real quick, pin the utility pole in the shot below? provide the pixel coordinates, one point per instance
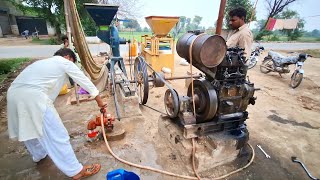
(220, 16)
(67, 14)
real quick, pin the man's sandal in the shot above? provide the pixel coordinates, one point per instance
(87, 171)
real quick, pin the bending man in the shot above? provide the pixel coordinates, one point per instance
(33, 119)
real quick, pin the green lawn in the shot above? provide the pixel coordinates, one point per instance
(284, 38)
(135, 35)
(44, 41)
(9, 65)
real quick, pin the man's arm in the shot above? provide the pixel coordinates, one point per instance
(245, 42)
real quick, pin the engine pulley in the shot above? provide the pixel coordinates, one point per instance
(205, 98)
(171, 103)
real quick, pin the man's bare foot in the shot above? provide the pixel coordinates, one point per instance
(87, 171)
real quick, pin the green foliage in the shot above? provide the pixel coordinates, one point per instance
(246, 4)
(261, 34)
(50, 41)
(133, 35)
(193, 24)
(9, 65)
(274, 37)
(53, 12)
(196, 22)
(180, 26)
(145, 29)
(292, 34)
(315, 33)
(132, 23)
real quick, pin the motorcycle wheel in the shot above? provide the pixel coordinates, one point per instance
(266, 63)
(252, 63)
(296, 79)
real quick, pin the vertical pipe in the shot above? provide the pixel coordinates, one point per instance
(66, 6)
(220, 16)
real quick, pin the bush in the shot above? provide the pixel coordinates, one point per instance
(273, 38)
(9, 65)
(53, 41)
(261, 34)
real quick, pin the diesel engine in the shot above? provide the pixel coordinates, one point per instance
(218, 101)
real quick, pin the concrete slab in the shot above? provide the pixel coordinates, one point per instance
(211, 151)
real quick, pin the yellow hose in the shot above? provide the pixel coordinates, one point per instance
(166, 172)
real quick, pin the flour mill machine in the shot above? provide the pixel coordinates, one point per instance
(158, 50)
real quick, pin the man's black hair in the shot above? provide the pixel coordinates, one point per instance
(239, 12)
(65, 52)
(64, 37)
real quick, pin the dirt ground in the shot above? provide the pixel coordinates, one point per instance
(283, 121)
(19, 41)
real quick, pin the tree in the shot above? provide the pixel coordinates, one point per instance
(315, 33)
(51, 10)
(196, 22)
(188, 24)
(146, 29)
(127, 8)
(180, 26)
(246, 4)
(292, 34)
(132, 23)
(275, 7)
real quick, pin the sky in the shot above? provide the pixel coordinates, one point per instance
(208, 10)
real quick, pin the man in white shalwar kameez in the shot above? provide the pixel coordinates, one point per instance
(33, 119)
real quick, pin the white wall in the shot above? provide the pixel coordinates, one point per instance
(14, 29)
(51, 30)
(1, 35)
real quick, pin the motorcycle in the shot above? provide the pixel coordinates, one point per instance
(276, 62)
(253, 59)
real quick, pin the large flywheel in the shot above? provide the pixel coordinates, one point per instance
(206, 100)
(141, 79)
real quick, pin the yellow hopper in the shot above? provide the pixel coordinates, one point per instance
(161, 25)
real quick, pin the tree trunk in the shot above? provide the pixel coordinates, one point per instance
(58, 30)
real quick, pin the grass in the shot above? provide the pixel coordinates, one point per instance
(285, 39)
(135, 35)
(50, 41)
(313, 52)
(9, 65)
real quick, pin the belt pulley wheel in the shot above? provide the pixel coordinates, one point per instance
(157, 82)
(206, 100)
(171, 102)
(141, 79)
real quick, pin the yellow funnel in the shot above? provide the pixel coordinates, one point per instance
(161, 25)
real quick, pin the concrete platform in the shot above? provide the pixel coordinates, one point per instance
(211, 151)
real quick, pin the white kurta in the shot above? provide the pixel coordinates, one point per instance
(35, 90)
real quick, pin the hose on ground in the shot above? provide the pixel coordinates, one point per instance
(166, 172)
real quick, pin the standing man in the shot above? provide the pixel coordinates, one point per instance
(241, 35)
(33, 119)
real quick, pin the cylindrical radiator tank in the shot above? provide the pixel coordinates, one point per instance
(207, 50)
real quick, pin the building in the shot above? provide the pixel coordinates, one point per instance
(14, 22)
